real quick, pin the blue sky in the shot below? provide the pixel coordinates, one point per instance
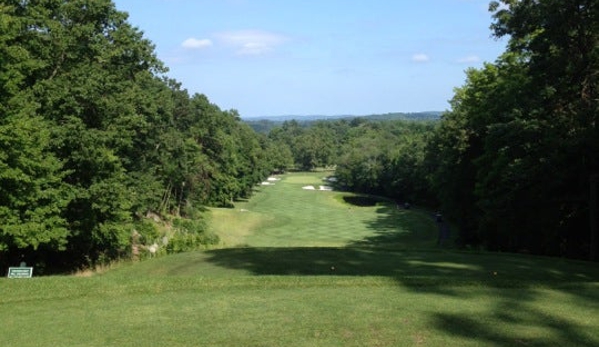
(319, 57)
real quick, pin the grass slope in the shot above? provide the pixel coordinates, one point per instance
(305, 268)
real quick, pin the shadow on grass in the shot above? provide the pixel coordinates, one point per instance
(400, 228)
(436, 269)
(511, 309)
(361, 200)
(563, 332)
(512, 281)
(403, 248)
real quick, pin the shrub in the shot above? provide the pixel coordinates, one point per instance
(190, 234)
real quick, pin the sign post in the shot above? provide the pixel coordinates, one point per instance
(20, 272)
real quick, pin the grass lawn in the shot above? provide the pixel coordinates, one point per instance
(312, 268)
(285, 215)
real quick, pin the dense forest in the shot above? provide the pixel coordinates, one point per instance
(94, 137)
(264, 125)
(517, 158)
(97, 143)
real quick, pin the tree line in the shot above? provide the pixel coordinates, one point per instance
(517, 157)
(515, 162)
(94, 137)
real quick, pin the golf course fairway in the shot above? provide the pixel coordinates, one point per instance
(312, 267)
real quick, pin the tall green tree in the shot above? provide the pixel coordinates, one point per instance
(515, 155)
(93, 136)
(387, 158)
(76, 65)
(560, 42)
(32, 194)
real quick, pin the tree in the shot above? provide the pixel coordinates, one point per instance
(560, 42)
(407, 178)
(71, 73)
(386, 158)
(32, 195)
(507, 167)
(93, 137)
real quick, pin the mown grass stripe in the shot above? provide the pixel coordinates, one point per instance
(304, 268)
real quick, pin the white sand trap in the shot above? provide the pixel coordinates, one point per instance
(309, 188)
(325, 188)
(267, 183)
(273, 179)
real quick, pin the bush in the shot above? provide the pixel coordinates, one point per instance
(196, 226)
(148, 231)
(189, 235)
(183, 242)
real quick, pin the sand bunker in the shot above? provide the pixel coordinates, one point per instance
(273, 179)
(319, 188)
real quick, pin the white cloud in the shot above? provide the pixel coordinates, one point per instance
(193, 43)
(469, 59)
(420, 58)
(251, 42)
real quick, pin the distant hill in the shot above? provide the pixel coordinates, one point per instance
(416, 116)
(264, 124)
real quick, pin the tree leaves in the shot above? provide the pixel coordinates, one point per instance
(92, 136)
(32, 194)
(517, 128)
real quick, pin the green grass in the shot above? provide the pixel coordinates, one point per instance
(285, 215)
(366, 276)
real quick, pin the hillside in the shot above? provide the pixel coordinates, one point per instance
(265, 124)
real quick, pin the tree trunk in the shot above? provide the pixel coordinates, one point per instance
(593, 208)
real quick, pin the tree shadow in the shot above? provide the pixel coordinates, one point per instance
(512, 309)
(512, 282)
(400, 228)
(434, 268)
(403, 247)
(361, 200)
